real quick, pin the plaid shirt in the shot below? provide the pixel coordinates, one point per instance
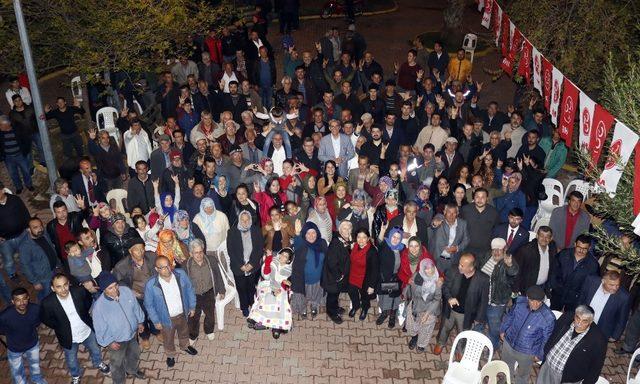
(559, 354)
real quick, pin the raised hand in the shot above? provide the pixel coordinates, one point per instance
(191, 182)
(298, 226)
(420, 73)
(93, 133)
(156, 184)
(79, 201)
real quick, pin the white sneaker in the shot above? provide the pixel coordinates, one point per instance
(211, 336)
(192, 342)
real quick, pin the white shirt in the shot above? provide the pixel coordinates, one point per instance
(598, 302)
(227, 79)
(23, 92)
(543, 271)
(336, 145)
(411, 230)
(171, 295)
(79, 330)
(511, 232)
(278, 156)
(138, 147)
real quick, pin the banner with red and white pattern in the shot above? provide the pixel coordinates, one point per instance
(602, 121)
(547, 73)
(587, 107)
(524, 66)
(622, 145)
(486, 16)
(537, 69)
(556, 88)
(568, 107)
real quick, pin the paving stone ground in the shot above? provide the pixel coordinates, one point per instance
(316, 351)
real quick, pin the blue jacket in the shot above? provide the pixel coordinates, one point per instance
(116, 320)
(614, 314)
(156, 305)
(34, 262)
(527, 331)
(509, 201)
(568, 277)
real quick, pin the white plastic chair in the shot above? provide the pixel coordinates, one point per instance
(578, 185)
(602, 380)
(76, 88)
(469, 44)
(557, 314)
(532, 235)
(119, 196)
(229, 285)
(466, 370)
(555, 198)
(492, 369)
(109, 116)
(136, 105)
(635, 379)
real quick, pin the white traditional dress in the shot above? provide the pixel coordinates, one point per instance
(272, 309)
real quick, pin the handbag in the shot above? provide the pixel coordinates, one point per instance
(389, 288)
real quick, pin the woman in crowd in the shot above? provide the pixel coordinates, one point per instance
(463, 176)
(389, 284)
(221, 189)
(460, 195)
(425, 300)
(258, 173)
(172, 248)
(336, 269)
(487, 168)
(101, 217)
(441, 194)
(212, 223)
(310, 251)
(319, 215)
(277, 232)
(244, 247)
(337, 200)
(185, 230)
(271, 308)
(363, 274)
(384, 214)
(63, 193)
(242, 202)
(513, 197)
(329, 178)
(410, 257)
(166, 203)
(148, 234)
(378, 192)
(272, 196)
(425, 209)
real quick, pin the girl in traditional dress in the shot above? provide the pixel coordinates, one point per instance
(271, 308)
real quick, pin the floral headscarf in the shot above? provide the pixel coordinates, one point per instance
(183, 234)
(386, 180)
(171, 251)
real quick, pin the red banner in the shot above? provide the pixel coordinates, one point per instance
(516, 42)
(547, 73)
(507, 65)
(636, 182)
(486, 16)
(568, 108)
(602, 121)
(504, 39)
(497, 21)
(524, 66)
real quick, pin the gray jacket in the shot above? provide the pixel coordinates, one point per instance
(326, 152)
(439, 239)
(558, 223)
(432, 305)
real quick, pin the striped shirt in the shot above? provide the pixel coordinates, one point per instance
(10, 142)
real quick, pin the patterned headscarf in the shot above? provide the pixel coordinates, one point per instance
(240, 227)
(428, 282)
(169, 246)
(387, 239)
(386, 180)
(183, 234)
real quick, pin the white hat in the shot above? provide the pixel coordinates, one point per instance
(452, 139)
(498, 243)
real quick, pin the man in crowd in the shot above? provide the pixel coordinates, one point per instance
(65, 226)
(140, 189)
(480, 218)
(117, 320)
(575, 351)
(572, 267)
(19, 322)
(12, 233)
(524, 332)
(15, 151)
(109, 164)
(170, 301)
(449, 237)
(66, 311)
(86, 184)
(137, 146)
(569, 221)
(38, 259)
(337, 147)
(65, 117)
(610, 303)
(514, 234)
(117, 239)
(536, 259)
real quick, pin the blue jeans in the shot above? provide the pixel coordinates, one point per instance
(494, 320)
(71, 355)
(8, 249)
(285, 139)
(46, 289)
(17, 365)
(5, 291)
(266, 95)
(35, 139)
(19, 164)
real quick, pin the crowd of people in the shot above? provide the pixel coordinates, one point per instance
(292, 185)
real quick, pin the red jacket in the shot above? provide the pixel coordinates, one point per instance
(405, 272)
(214, 46)
(265, 202)
(331, 206)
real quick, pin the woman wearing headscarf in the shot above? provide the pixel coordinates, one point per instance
(358, 212)
(270, 197)
(410, 257)
(336, 270)
(425, 300)
(310, 251)
(166, 203)
(389, 285)
(384, 214)
(363, 274)
(377, 192)
(278, 233)
(513, 197)
(425, 209)
(319, 215)
(185, 230)
(337, 200)
(271, 308)
(244, 247)
(101, 217)
(172, 248)
(242, 202)
(258, 173)
(212, 223)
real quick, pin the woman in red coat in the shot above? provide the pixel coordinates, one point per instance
(410, 258)
(270, 197)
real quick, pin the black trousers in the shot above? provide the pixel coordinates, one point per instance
(633, 332)
(359, 297)
(332, 303)
(246, 286)
(206, 303)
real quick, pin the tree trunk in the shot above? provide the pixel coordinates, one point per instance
(452, 33)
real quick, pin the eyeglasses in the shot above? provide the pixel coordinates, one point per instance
(162, 267)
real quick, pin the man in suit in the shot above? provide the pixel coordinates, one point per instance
(610, 303)
(393, 135)
(66, 311)
(358, 176)
(337, 147)
(572, 266)
(86, 183)
(411, 224)
(465, 294)
(492, 118)
(234, 102)
(448, 237)
(535, 258)
(569, 221)
(514, 234)
(575, 351)
(451, 158)
(160, 158)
